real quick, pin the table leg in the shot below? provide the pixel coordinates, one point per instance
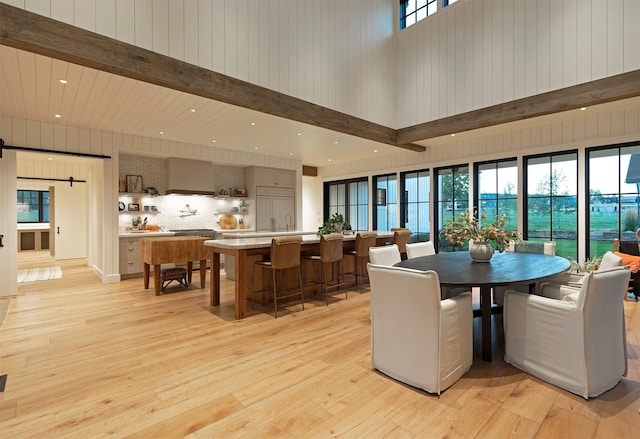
(146, 275)
(203, 272)
(157, 278)
(214, 286)
(189, 271)
(485, 306)
(241, 284)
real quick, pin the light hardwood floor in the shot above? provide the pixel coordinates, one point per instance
(84, 360)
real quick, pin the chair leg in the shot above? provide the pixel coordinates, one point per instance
(344, 281)
(323, 282)
(275, 295)
(300, 281)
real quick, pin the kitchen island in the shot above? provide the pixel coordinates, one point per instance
(157, 251)
(248, 250)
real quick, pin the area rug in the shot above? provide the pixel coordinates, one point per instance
(36, 274)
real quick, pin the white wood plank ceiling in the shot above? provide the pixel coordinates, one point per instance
(30, 89)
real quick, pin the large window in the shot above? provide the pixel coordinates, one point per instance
(497, 191)
(33, 206)
(415, 204)
(412, 11)
(614, 196)
(452, 198)
(350, 198)
(551, 206)
(385, 202)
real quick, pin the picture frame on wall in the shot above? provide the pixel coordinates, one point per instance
(134, 183)
(133, 207)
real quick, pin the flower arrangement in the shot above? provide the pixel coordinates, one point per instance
(467, 226)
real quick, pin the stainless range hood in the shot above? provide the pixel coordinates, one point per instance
(190, 177)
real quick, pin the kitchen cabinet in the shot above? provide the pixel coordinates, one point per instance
(272, 177)
(275, 209)
(130, 263)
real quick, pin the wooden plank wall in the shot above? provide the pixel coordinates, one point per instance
(478, 53)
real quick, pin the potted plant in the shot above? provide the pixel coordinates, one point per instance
(334, 224)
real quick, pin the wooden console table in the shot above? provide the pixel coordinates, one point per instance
(157, 251)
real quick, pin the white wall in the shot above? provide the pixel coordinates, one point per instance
(335, 53)
(477, 53)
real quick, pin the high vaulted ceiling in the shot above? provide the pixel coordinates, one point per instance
(116, 87)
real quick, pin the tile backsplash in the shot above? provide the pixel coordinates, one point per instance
(171, 210)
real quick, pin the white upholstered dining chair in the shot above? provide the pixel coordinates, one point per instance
(384, 255)
(577, 343)
(417, 249)
(416, 337)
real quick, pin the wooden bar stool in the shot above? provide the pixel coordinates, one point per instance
(285, 254)
(364, 240)
(401, 237)
(331, 254)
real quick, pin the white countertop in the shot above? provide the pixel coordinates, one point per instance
(261, 242)
(145, 234)
(254, 234)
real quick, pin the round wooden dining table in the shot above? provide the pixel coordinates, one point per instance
(456, 269)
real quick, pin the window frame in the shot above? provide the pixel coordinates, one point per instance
(435, 188)
(525, 196)
(348, 206)
(476, 186)
(42, 218)
(391, 217)
(587, 188)
(404, 204)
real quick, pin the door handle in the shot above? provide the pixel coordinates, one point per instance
(58, 230)
(1, 244)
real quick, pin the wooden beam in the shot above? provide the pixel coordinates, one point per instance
(309, 171)
(613, 88)
(38, 34)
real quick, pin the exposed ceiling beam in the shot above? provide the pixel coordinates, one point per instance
(601, 91)
(38, 34)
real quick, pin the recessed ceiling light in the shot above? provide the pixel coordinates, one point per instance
(213, 141)
(50, 158)
(336, 142)
(161, 132)
(255, 147)
(290, 153)
(375, 150)
(299, 134)
(253, 123)
(57, 116)
(453, 135)
(63, 81)
(329, 160)
(583, 108)
(193, 110)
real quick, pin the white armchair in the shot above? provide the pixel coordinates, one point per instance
(416, 338)
(384, 255)
(578, 343)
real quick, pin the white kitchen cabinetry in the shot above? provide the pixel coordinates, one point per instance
(273, 177)
(130, 263)
(275, 209)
